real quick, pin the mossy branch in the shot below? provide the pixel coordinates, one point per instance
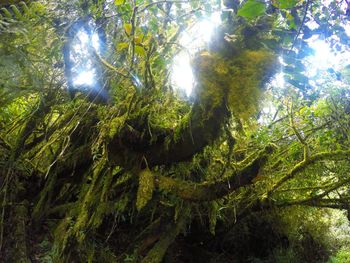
(156, 254)
(220, 86)
(301, 139)
(210, 191)
(335, 155)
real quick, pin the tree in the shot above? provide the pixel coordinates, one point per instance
(121, 179)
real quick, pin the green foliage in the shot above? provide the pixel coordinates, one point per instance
(285, 4)
(340, 257)
(76, 164)
(252, 9)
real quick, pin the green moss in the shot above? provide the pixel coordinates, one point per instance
(184, 124)
(145, 190)
(238, 81)
(44, 198)
(115, 125)
(211, 86)
(250, 70)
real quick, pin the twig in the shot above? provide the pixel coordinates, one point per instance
(301, 25)
(132, 35)
(335, 155)
(299, 136)
(110, 67)
(160, 2)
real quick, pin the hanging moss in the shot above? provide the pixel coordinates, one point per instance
(237, 81)
(19, 252)
(250, 71)
(44, 198)
(146, 187)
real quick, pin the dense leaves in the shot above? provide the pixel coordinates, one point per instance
(256, 157)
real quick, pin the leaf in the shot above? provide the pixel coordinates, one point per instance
(122, 45)
(38, 8)
(6, 12)
(140, 51)
(118, 2)
(252, 9)
(291, 20)
(16, 12)
(345, 74)
(138, 39)
(286, 4)
(128, 28)
(145, 190)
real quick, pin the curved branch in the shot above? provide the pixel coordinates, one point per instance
(156, 254)
(210, 191)
(319, 199)
(195, 131)
(218, 83)
(336, 155)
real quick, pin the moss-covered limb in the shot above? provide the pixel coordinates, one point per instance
(195, 131)
(33, 121)
(223, 85)
(67, 171)
(335, 203)
(5, 145)
(45, 196)
(50, 131)
(210, 191)
(319, 200)
(335, 155)
(156, 254)
(19, 252)
(146, 238)
(192, 134)
(190, 137)
(61, 209)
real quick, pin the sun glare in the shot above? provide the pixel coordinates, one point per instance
(278, 81)
(95, 41)
(182, 76)
(86, 78)
(84, 74)
(193, 39)
(322, 59)
(325, 58)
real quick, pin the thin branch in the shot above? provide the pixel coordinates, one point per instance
(110, 67)
(299, 136)
(319, 197)
(160, 2)
(132, 35)
(301, 25)
(335, 155)
(317, 187)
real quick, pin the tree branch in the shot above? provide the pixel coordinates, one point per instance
(160, 2)
(195, 131)
(336, 155)
(198, 192)
(156, 254)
